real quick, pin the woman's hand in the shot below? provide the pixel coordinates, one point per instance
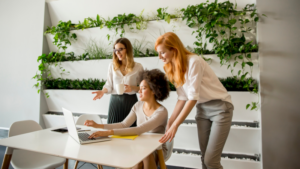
(170, 122)
(99, 94)
(101, 134)
(127, 88)
(90, 123)
(169, 135)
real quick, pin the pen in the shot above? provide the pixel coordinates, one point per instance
(83, 130)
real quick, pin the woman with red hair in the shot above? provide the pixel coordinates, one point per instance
(196, 85)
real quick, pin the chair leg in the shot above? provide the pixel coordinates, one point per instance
(76, 164)
(66, 164)
(99, 166)
(6, 161)
(161, 159)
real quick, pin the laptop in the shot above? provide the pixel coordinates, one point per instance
(80, 137)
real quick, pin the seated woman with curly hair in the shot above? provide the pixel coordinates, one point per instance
(148, 113)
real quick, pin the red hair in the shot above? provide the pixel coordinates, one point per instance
(176, 69)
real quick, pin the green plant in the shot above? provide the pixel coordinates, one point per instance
(172, 87)
(138, 47)
(238, 84)
(62, 36)
(151, 52)
(96, 50)
(162, 14)
(217, 22)
(86, 84)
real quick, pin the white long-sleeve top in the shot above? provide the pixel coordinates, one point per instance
(201, 83)
(156, 123)
(132, 78)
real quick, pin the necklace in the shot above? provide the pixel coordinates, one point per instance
(123, 69)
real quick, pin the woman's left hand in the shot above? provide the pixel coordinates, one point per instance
(169, 135)
(101, 134)
(128, 88)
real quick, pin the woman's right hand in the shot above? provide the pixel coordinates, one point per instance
(169, 125)
(99, 94)
(90, 123)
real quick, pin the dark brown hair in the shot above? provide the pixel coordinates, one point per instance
(158, 83)
(129, 55)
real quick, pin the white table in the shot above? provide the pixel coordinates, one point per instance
(118, 153)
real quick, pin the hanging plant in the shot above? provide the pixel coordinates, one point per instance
(62, 36)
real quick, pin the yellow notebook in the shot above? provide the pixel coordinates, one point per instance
(124, 137)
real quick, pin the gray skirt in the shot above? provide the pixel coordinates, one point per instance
(119, 107)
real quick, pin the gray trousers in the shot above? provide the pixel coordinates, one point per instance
(213, 122)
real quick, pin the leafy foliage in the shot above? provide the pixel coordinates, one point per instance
(97, 51)
(219, 24)
(230, 83)
(216, 22)
(235, 84)
(62, 35)
(84, 84)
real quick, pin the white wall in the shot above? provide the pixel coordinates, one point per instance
(278, 37)
(21, 33)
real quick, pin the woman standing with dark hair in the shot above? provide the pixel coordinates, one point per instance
(122, 70)
(196, 84)
(151, 116)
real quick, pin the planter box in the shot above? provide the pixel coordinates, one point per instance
(59, 120)
(55, 120)
(241, 140)
(239, 100)
(183, 160)
(81, 101)
(98, 68)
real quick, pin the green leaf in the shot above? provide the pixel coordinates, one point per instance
(243, 65)
(167, 18)
(249, 63)
(241, 48)
(232, 21)
(249, 55)
(240, 56)
(222, 32)
(228, 66)
(256, 19)
(248, 105)
(239, 72)
(264, 15)
(233, 28)
(236, 62)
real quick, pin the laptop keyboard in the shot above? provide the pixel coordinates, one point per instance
(85, 137)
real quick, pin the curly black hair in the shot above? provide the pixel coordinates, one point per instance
(158, 83)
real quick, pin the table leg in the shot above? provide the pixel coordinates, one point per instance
(66, 164)
(99, 166)
(6, 161)
(161, 159)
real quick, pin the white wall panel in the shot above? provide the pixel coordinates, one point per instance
(21, 43)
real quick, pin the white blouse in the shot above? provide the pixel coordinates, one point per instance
(132, 78)
(201, 83)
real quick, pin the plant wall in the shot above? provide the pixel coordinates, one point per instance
(217, 24)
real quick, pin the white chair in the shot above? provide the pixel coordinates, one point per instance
(81, 121)
(161, 158)
(22, 159)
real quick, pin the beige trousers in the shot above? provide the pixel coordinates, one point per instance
(213, 122)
